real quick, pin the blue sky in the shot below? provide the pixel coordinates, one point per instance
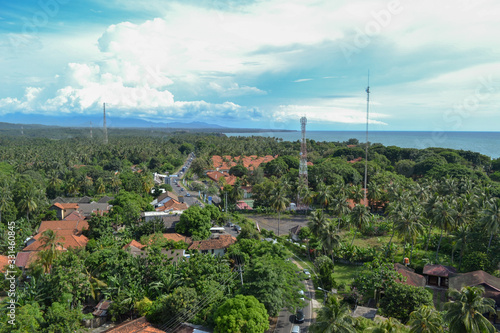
(434, 66)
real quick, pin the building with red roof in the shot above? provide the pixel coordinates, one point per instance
(4, 261)
(412, 278)
(64, 209)
(252, 162)
(67, 238)
(216, 246)
(438, 275)
(139, 325)
(173, 236)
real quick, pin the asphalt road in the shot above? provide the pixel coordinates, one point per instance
(286, 319)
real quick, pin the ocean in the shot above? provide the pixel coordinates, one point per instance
(486, 143)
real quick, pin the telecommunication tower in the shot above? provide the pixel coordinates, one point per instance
(104, 125)
(91, 130)
(366, 145)
(303, 153)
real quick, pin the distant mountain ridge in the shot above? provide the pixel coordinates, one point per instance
(85, 121)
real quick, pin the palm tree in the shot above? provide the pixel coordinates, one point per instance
(50, 247)
(426, 319)
(409, 226)
(333, 318)
(330, 239)
(444, 218)
(375, 193)
(464, 313)
(390, 325)
(491, 218)
(324, 195)
(28, 201)
(279, 201)
(317, 222)
(360, 217)
(5, 197)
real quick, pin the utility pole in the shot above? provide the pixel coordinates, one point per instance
(366, 144)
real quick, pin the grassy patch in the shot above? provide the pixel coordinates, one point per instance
(344, 274)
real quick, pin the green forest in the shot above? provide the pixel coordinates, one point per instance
(432, 206)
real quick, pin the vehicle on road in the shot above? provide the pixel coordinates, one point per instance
(307, 273)
(295, 329)
(299, 316)
(237, 228)
(188, 195)
(301, 293)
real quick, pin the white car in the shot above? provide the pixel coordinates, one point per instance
(295, 329)
(301, 292)
(307, 273)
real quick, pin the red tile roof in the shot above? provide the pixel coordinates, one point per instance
(72, 225)
(412, 278)
(439, 270)
(139, 325)
(74, 216)
(243, 205)
(67, 238)
(222, 242)
(250, 162)
(25, 259)
(172, 204)
(173, 236)
(4, 261)
(359, 159)
(134, 243)
(65, 205)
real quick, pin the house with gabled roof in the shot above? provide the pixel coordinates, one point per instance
(412, 278)
(135, 248)
(64, 209)
(165, 197)
(25, 259)
(175, 237)
(490, 283)
(216, 246)
(67, 238)
(173, 206)
(438, 275)
(76, 226)
(139, 325)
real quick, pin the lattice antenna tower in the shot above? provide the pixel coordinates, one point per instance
(104, 125)
(303, 153)
(91, 130)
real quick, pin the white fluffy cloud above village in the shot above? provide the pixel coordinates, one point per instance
(269, 60)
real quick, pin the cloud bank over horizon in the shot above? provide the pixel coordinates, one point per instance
(261, 63)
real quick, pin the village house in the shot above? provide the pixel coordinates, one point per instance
(215, 246)
(438, 275)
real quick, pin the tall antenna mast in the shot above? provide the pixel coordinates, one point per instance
(303, 154)
(91, 130)
(366, 144)
(104, 125)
